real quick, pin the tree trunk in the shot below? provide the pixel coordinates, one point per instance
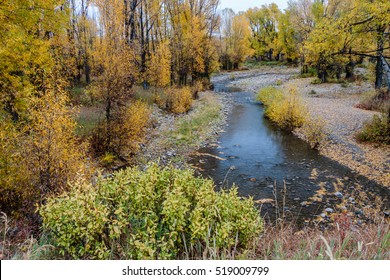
(379, 63)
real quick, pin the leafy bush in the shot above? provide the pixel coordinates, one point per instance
(285, 111)
(159, 213)
(377, 130)
(179, 100)
(313, 130)
(123, 134)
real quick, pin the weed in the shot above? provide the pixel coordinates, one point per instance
(313, 130)
(375, 101)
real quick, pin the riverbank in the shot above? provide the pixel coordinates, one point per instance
(335, 104)
(172, 138)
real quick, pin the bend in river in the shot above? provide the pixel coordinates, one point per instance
(262, 161)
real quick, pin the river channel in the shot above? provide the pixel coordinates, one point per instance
(280, 171)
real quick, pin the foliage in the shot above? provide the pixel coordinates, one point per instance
(54, 156)
(159, 213)
(377, 130)
(159, 67)
(179, 100)
(13, 170)
(176, 100)
(25, 51)
(235, 46)
(313, 130)
(285, 110)
(122, 135)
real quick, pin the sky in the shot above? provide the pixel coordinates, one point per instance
(243, 5)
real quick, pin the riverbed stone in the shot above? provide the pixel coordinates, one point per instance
(329, 210)
(338, 194)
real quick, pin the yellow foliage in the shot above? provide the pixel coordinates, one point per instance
(159, 66)
(285, 110)
(313, 131)
(122, 135)
(13, 171)
(54, 156)
(179, 100)
(129, 130)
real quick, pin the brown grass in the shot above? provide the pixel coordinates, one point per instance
(343, 241)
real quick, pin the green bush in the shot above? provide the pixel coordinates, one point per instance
(159, 213)
(285, 111)
(377, 130)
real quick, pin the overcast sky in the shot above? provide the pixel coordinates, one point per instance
(243, 5)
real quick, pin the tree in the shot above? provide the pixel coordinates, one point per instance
(263, 23)
(235, 46)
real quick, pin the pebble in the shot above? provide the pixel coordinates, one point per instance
(359, 212)
(338, 194)
(323, 215)
(329, 210)
(297, 199)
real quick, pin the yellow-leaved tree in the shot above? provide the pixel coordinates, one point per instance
(53, 155)
(159, 66)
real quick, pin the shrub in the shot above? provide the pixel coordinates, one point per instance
(313, 130)
(377, 130)
(285, 111)
(375, 100)
(159, 213)
(123, 134)
(179, 100)
(316, 81)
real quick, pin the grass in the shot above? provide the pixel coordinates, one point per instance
(195, 126)
(280, 241)
(344, 241)
(87, 120)
(375, 101)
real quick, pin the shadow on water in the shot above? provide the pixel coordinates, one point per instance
(256, 156)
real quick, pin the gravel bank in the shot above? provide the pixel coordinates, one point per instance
(336, 105)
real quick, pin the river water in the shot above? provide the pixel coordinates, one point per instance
(280, 171)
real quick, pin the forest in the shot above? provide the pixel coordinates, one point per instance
(87, 85)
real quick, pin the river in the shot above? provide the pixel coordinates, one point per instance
(281, 172)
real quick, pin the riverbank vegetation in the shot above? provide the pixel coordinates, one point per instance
(287, 111)
(81, 82)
